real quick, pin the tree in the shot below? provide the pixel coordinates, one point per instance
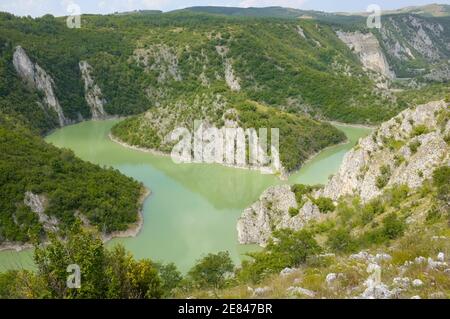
(81, 248)
(211, 270)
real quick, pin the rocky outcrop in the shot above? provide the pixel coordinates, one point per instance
(159, 58)
(38, 79)
(271, 212)
(230, 77)
(93, 94)
(37, 204)
(404, 150)
(369, 51)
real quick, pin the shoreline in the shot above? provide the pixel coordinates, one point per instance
(281, 175)
(132, 231)
(365, 126)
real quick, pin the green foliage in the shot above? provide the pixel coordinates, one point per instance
(104, 274)
(106, 198)
(300, 191)
(393, 226)
(398, 194)
(383, 179)
(441, 180)
(287, 249)
(414, 146)
(341, 241)
(325, 204)
(370, 210)
(211, 270)
(293, 211)
(170, 276)
(419, 130)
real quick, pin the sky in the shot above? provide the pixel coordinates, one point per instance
(37, 8)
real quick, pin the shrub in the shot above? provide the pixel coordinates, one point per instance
(398, 194)
(393, 227)
(441, 180)
(293, 212)
(370, 210)
(419, 130)
(325, 204)
(414, 146)
(288, 249)
(211, 270)
(341, 241)
(383, 179)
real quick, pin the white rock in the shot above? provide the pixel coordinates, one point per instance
(93, 94)
(416, 297)
(377, 291)
(417, 283)
(402, 282)
(362, 256)
(261, 291)
(331, 278)
(36, 76)
(436, 264)
(382, 257)
(301, 291)
(287, 271)
(420, 260)
(441, 257)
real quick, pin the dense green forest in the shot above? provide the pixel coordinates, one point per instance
(107, 199)
(309, 71)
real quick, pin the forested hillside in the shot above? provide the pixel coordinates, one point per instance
(140, 61)
(44, 189)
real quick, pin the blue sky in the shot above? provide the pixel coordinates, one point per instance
(60, 7)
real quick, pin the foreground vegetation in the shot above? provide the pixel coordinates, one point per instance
(402, 232)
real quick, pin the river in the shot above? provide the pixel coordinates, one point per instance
(193, 208)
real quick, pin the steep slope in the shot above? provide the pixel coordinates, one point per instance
(402, 153)
(45, 189)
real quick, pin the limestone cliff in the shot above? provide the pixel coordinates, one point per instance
(272, 212)
(404, 150)
(369, 51)
(38, 79)
(93, 94)
(37, 204)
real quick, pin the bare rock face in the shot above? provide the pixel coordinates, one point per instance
(271, 212)
(37, 204)
(159, 58)
(38, 79)
(230, 78)
(408, 148)
(369, 51)
(93, 94)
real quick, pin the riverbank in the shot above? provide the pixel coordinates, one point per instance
(132, 231)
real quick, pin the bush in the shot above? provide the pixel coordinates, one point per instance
(293, 212)
(210, 271)
(325, 204)
(414, 146)
(441, 180)
(393, 227)
(398, 194)
(383, 179)
(370, 210)
(289, 249)
(341, 241)
(419, 130)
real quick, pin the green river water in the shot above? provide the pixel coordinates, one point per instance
(193, 208)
